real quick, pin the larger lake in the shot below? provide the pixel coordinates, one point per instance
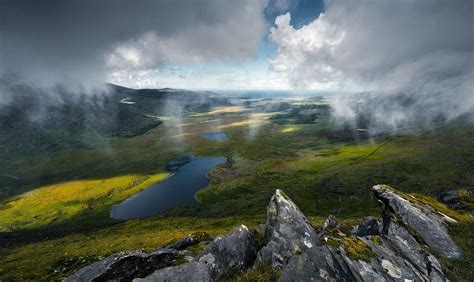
(178, 189)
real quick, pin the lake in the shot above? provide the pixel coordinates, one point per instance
(189, 176)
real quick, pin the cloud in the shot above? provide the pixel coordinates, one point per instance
(424, 47)
(52, 41)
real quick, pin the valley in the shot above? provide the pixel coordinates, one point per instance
(56, 202)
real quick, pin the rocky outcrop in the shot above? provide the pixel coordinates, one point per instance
(368, 226)
(192, 271)
(190, 240)
(425, 221)
(287, 230)
(235, 252)
(331, 223)
(125, 266)
(390, 249)
(318, 263)
(457, 200)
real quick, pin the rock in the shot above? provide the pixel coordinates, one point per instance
(388, 264)
(368, 226)
(192, 271)
(404, 243)
(287, 230)
(230, 253)
(125, 266)
(190, 240)
(372, 253)
(318, 263)
(235, 252)
(426, 222)
(331, 223)
(452, 199)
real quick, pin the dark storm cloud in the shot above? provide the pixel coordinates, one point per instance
(52, 40)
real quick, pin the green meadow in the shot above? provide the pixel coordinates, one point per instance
(55, 218)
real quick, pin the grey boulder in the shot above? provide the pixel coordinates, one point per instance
(192, 271)
(230, 253)
(368, 226)
(287, 231)
(425, 221)
(125, 266)
(234, 252)
(317, 264)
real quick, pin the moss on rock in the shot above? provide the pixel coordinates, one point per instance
(356, 249)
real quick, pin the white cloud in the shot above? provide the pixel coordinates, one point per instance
(426, 46)
(304, 54)
(374, 42)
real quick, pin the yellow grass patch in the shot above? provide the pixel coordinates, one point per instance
(289, 129)
(59, 202)
(253, 120)
(226, 110)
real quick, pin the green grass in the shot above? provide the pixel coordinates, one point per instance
(58, 203)
(56, 220)
(45, 260)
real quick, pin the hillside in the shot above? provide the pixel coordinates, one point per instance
(38, 120)
(55, 208)
(399, 245)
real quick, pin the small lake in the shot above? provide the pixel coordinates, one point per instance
(214, 136)
(189, 177)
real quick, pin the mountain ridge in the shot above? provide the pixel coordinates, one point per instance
(387, 249)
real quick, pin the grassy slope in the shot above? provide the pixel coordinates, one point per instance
(321, 177)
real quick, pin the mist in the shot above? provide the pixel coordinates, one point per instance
(416, 58)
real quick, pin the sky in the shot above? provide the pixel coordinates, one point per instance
(188, 44)
(331, 45)
(253, 72)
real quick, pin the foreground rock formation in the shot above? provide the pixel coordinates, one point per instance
(393, 248)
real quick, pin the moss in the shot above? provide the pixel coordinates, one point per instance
(201, 236)
(333, 242)
(440, 207)
(376, 239)
(261, 272)
(356, 249)
(467, 198)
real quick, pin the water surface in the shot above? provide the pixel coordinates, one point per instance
(214, 136)
(188, 178)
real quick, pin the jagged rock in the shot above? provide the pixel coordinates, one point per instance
(192, 271)
(452, 200)
(190, 240)
(426, 222)
(318, 263)
(368, 226)
(390, 265)
(226, 253)
(125, 266)
(413, 252)
(331, 223)
(288, 232)
(233, 252)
